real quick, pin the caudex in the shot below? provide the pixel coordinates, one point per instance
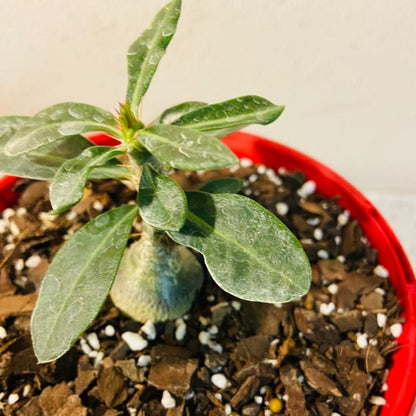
(247, 250)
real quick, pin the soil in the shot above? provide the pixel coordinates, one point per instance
(326, 354)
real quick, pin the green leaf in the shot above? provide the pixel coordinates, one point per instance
(78, 281)
(248, 251)
(223, 186)
(173, 113)
(162, 202)
(68, 184)
(41, 163)
(228, 116)
(146, 52)
(185, 148)
(111, 170)
(57, 122)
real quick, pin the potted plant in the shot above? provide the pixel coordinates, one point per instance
(248, 251)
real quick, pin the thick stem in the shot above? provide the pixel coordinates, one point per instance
(157, 279)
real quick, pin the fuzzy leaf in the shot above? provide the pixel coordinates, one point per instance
(223, 186)
(41, 163)
(57, 122)
(78, 281)
(248, 251)
(162, 202)
(185, 148)
(146, 52)
(228, 116)
(111, 170)
(68, 184)
(170, 115)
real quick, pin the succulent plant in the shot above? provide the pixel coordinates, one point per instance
(247, 250)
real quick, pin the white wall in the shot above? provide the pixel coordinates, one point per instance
(345, 69)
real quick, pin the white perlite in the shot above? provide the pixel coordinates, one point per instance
(341, 258)
(308, 188)
(3, 226)
(86, 349)
(109, 331)
(258, 399)
(180, 331)
(343, 218)
(13, 398)
(3, 332)
(8, 212)
(327, 308)
(236, 305)
(14, 229)
(149, 330)
(362, 340)
(213, 330)
(318, 234)
(245, 163)
(396, 330)
(381, 271)
(168, 402)
(323, 254)
(134, 341)
(26, 390)
(19, 265)
(282, 208)
(333, 289)
(227, 409)
(71, 215)
(219, 380)
(33, 261)
(143, 360)
(93, 340)
(381, 320)
(98, 206)
(204, 337)
(377, 400)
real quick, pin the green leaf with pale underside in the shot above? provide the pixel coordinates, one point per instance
(68, 184)
(228, 116)
(146, 52)
(41, 163)
(58, 122)
(184, 148)
(223, 186)
(78, 281)
(162, 202)
(248, 251)
(170, 115)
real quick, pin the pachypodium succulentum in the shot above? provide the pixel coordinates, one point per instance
(247, 250)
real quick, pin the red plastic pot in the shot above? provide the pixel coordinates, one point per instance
(401, 382)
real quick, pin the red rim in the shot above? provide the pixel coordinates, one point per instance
(401, 381)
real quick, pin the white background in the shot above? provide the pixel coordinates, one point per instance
(345, 70)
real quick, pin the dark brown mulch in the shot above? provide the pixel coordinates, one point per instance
(323, 355)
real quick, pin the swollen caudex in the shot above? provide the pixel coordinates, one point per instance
(157, 279)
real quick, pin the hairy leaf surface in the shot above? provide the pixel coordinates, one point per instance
(248, 251)
(146, 52)
(185, 148)
(78, 281)
(41, 163)
(223, 186)
(57, 122)
(162, 202)
(228, 116)
(170, 115)
(68, 184)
